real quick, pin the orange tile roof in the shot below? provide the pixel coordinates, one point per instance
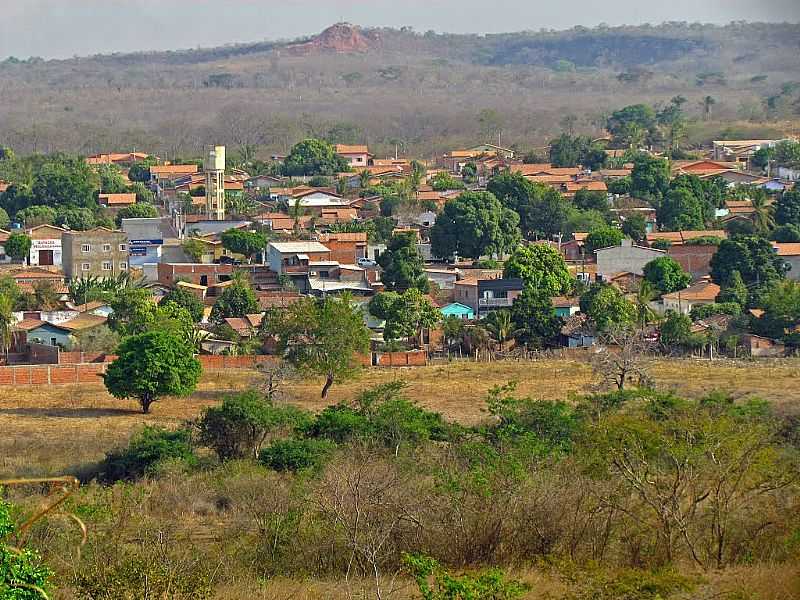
(593, 186)
(174, 170)
(117, 199)
(548, 179)
(700, 291)
(531, 169)
(787, 249)
(355, 149)
(29, 324)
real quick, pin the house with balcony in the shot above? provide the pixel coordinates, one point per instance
(487, 295)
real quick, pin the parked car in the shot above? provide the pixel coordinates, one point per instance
(366, 262)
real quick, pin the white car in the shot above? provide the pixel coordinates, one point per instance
(366, 262)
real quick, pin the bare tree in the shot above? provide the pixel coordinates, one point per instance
(622, 356)
(368, 502)
(276, 375)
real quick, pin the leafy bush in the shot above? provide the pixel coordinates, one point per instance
(296, 455)
(716, 308)
(240, 425)
(22, 575)
(435, 583)
(146, 450)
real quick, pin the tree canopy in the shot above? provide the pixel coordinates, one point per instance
(753, 257)
(314, 157)
(402, 264)
(473, 225)
(185, 299)
(666, 274)
(246, 243)
(604, 237)
(237, 300)
(152, 365)
(321, 336)
(535, 322)
(406, 314)
(541, 267)
(542, 210)
(607, 307)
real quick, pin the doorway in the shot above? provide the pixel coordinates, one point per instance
(46, 257)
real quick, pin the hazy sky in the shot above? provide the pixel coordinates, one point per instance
(63, 28)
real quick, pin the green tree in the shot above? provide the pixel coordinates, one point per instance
(5, 220)
(63, 180)
(402, 264)
(132, 311)
(193, 248)
(23, 575)
(650, 177)
(246, 243)
(314, 157)
(572, 151)
(781, 306)
(239, 426)
(733, 290)
(607, 307)
(443, 181)
(681, 209)
(787, 208)
(407, 314)
(323, 337)
(632, 125)
(143, 193)
(185, 299)
(676, 330)
(111, 180)
(535, 322)
(473, 225)
(7, 321)
(666, 275)
(78, 219)
(541, 267)
(603, 238)
(591, 200)
(140, 210)
(542, 210)
(36, 215)
(786, 234)
(635, 227)
(753, 257)
(237, 300)
(152, 365)
(18, 246)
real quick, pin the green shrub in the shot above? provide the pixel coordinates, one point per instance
(238, 427)
(296, 455)
(146, 450)
(340, 424)
(22, 575)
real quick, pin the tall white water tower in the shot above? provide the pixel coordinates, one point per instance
(214, 168)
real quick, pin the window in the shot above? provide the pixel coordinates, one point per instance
(106, 265)
(106, 247)
(123, 266)
(123, 247)
(86, 248)
(85, 266)
(53, 342)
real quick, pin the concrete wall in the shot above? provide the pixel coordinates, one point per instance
(626, 257)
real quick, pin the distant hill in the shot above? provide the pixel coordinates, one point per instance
(421, 91)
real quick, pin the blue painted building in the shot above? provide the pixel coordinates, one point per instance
(456, 309)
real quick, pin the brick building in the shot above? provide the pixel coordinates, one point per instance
(98, 252)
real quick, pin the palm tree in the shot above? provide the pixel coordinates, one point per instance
(6, 323)
(762, 212)
(644, 295)
(707, 102)
(500, 325)
(363, 178)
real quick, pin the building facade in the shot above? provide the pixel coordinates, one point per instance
(98, 252)
(46, 248)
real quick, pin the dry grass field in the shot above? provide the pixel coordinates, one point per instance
(50, 430)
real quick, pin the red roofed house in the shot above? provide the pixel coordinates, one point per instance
(790, 252)
(116, 200)
(357, 156)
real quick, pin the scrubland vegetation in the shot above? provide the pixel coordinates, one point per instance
(533, 492)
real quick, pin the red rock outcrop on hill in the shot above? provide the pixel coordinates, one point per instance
(342, 38)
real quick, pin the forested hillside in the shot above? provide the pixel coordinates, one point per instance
(424, 92)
